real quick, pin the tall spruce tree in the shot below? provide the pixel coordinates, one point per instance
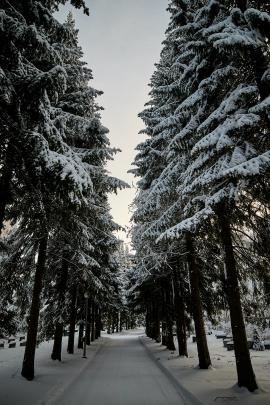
(46, 167)
(77, 115)
(218, 150)
(178, 82)
(229, 143)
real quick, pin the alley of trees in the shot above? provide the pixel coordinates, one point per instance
(200, 226)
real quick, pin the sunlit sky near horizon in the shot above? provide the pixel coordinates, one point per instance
(121, 41)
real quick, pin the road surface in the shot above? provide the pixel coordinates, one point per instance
(122, 373)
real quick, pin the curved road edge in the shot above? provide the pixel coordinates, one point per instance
(187, 396)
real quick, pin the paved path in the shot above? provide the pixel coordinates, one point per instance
(122, 373)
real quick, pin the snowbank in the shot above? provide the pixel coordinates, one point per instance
(52, 377)
(217, 385)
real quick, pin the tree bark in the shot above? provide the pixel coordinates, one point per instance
(147, 322)
(80, 336)
(28, 370)
(179, 307)
(59, 327)
(72, 321)
(93, 320)
(88, 326)
(169, 315)
(109, 323)
(163, 323)
(150, 319)
(98, 323)
(164, 334)
(121, 322)
(116, 319)
(57, 343)
(202, 347)
(245, 373)
(156, 322)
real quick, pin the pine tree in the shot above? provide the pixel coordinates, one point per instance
(38, 163)
(160, 199)
(229, 147)
(76, 115)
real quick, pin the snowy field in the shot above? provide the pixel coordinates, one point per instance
(217, 385)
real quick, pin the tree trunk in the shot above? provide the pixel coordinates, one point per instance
(121, 322)
(59, 327)
(72, 321)
(109, 324)
(245, 373)
(169, 341)
(163, 323)
(179, 307)
(156, 322)
(202, 347)
(169, 315)
(150, 319)
(164, 334)
(80, 336)
(28, 370)
(97, 331)
(93, 333)
(147, 322)
(112, 322)
(100, 322)
(117, 322)
(88, 326)
(57, 343)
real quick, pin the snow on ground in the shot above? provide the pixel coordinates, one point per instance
(122, 374)
(217, 385)
(52, 377)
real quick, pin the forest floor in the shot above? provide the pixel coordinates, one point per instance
(218, 384)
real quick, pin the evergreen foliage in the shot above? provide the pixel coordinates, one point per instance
(204, 167)
(53, 181)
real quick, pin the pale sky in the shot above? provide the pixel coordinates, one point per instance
(121, 41)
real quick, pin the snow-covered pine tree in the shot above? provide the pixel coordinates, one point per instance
(161, 197)
(32, 77)
(76, 114)
(230, 148)
(70, 146)
(177, 154)
(37, 165)
(256, 208)
(150, 162)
